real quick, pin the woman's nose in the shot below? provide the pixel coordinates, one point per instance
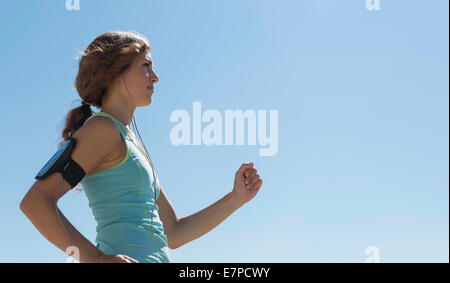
(154, 78)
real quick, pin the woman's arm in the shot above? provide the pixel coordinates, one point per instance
(246, 185)
(95, 141)
(41, 211)
(193, 226)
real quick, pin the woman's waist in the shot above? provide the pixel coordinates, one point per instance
(130, 222)
(138, 215)
(132, 233)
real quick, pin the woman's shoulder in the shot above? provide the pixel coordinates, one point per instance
(96, 140)
(105, 124)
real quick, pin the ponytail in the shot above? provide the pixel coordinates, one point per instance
(75, 119)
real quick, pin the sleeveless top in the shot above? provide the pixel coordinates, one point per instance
(122, 200)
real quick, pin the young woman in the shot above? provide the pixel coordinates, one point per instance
(135, 220)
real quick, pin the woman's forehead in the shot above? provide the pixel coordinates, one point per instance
(142, 57)
(146, 56)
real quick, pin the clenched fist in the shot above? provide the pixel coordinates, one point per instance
(246, 183)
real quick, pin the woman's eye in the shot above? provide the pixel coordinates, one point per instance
(146, 64)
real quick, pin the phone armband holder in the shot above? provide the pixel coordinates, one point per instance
(62, 162)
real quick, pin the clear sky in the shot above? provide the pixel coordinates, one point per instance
(362, 99)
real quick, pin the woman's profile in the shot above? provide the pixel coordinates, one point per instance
(135, 219)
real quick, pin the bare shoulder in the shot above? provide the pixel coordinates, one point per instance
(100, 123)
(96, 139)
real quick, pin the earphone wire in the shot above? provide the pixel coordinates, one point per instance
(68, 249)
(150, 162)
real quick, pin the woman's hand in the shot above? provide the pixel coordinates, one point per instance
(246, 183)
(115, 259)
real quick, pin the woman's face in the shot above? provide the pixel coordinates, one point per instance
(140, 79)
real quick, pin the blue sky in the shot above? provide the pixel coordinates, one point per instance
(362, 100)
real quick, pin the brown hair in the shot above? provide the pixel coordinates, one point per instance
(103, 61)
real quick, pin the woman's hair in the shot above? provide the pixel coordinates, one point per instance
(103, 61)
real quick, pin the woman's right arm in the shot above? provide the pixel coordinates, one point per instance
(41, 211)
(95, 140)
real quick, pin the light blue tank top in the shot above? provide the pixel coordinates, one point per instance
(122, 199)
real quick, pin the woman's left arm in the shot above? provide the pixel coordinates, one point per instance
(246, 185)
